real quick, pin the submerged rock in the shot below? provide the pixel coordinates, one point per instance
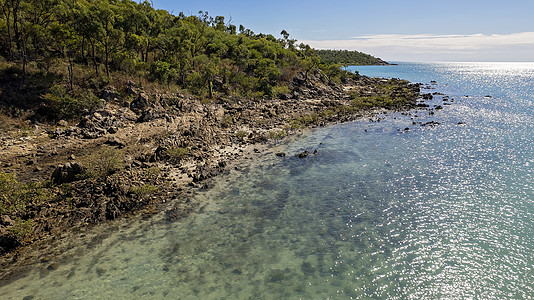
(422, 105)
(431, 124)
(427, 96)
(204, 172)
(303, 154)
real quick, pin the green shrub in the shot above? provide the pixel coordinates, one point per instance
(277, 134)
(304, 121)
(389, 94)
(14, 199)
(242, 134)
(21, 228)
(162, 71)
(14, 195)
(280, 90)
(177, 152)
(364, 102)
(153, 172)
(63, 105)
(104, 163)
(144, 190)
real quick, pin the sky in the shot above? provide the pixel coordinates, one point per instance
(394, 30)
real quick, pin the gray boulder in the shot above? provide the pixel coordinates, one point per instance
(66, 173)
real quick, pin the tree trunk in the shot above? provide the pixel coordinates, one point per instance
(7, 14)
(94, 56)
(105, 43)
(24, 59)
(15, 23)
(84, 59)
(210, 86)
(146, 53)
(70, 70)
(106, 50)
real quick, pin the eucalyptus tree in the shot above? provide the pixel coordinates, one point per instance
(108, 33)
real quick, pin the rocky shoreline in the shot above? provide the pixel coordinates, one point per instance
(143, 153)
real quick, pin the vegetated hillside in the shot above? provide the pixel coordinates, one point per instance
(346, 57)
(59, 53)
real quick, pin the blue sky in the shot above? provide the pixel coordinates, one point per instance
(410, 30)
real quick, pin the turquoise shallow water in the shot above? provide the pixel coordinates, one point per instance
(444, 212)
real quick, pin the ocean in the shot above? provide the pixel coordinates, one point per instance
(421, 205)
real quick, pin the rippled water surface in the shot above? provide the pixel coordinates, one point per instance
(381, 212)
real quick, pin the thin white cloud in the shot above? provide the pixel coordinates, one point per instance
(515, 46)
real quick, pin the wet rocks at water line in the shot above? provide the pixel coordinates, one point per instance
(306, 153)
(427, 96)
(204, 172)
(422, 105)
(303, 154)
(430, 124)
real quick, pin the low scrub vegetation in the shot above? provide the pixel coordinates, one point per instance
(15, 196)
(103, 163)
(15, 199)
(177, 152)
(144, 190)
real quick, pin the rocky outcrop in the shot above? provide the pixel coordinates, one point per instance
(110, 94)
(66, 173)
(140, 103)
(8, 240)
(151, 114)
(428, 96)
(98, 124)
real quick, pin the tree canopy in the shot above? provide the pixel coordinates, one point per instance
(203, 54)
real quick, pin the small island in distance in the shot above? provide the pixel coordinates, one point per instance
(349, 58)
